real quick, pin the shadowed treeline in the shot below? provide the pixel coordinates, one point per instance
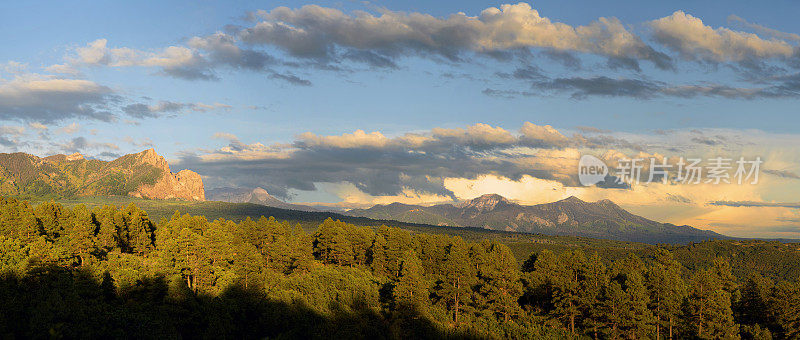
(56, 302)
(111, 272)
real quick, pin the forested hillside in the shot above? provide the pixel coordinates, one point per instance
(111, 272)
(143, 174)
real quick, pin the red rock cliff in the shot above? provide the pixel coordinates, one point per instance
(184, 185)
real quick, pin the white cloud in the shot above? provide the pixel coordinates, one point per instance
(313, 31)
(178, 61)
(542, 135)
(357, 139)
(41, 98)
(693, 39)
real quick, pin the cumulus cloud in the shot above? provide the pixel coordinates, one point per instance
(177, 61)
(318, 32)
(47, 99)
(198, 60)
(538, 135)
(376, 164)
(223, 49)
(284, 42)
(356, 140)
(478, 135)
(694, 40)
(381, 165)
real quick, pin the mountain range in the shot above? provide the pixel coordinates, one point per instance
(570, 216)
(145, 174)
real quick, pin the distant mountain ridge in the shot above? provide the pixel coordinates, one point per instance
(257, 196)
(570, 216)
(145, 174)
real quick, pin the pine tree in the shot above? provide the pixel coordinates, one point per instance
(53, 218)
(81, 234)
(457, 277)
(754, 306)
(638, 320)
(612, 309)
(139, 231)
(18, 221)
(595, 278)
(667, 291)
(708, 309)
(332, 245)
(785, 305)
(566, 281)
(410, 290)
(500, 285)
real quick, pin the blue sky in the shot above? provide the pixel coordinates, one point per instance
(228, 88)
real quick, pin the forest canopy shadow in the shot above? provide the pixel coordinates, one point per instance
(57, 302)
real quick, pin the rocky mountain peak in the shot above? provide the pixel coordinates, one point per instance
(572, 200)
(185, 185)
(145, 174)
(150, 156)
(486, 202)
(75, 157)
(261, 194)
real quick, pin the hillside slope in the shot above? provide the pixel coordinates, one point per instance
(145, 174)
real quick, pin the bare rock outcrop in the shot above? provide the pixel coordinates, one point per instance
(184, 185)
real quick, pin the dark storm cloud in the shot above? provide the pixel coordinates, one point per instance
(378, 165)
